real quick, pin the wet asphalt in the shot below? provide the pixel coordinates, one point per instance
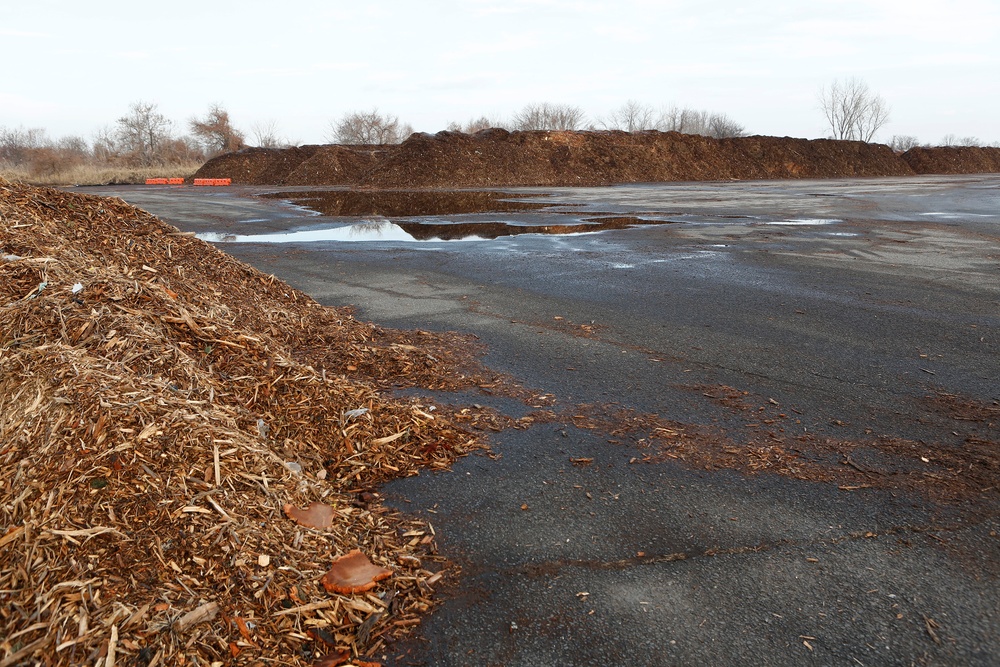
(842, 302)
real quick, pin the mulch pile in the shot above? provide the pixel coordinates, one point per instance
(498, 158)
(164, 409)
(953, 160)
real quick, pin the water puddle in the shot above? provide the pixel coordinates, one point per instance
(407, 216)
(954, 216)
(381, 230)
(804, 222)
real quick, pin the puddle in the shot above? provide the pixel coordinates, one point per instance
(412, 231)
(804, 222)
(954, 216)
(365, 231)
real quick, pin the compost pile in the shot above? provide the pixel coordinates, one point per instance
(498, 158)
(953, 160)
(165, 411)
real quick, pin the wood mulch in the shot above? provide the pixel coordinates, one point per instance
(160, 403)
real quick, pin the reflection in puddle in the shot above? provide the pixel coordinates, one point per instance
(367, 230)
(374, 230)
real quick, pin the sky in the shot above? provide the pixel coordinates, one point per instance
(73, 68)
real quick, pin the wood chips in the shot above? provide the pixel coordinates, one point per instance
(160, 402)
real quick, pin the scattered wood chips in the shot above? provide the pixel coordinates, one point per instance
(160, 403)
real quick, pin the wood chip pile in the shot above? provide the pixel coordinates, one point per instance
(498, 158)
(160, 404)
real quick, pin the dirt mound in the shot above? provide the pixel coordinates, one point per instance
(336, 165)
(257, 165)
(496, 157)
(160, 403)
(953, 160)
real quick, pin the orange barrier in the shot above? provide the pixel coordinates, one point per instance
(156, 181)
(175, 181)
(213, 181)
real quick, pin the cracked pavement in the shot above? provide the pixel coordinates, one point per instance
(833, 311)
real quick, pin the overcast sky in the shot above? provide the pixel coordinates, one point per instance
(74, 67)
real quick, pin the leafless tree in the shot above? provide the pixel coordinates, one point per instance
(692, 121)
(722, 126)
(546, 116)
(630, 117)
(265, 134)
(181, 150)
(955, 140)
(142, 133)
(18, 144)
(685, 121)
(216, 132)
(368, 127)
(853, 111)
(105, 145)
(475, 125)
(903, 142)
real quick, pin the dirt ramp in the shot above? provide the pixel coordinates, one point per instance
(953, 160)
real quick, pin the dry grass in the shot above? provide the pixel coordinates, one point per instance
(85, 174)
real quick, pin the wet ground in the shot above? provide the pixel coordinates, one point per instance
(772, 409)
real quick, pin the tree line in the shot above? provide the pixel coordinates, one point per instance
(374, 127)
(144, 138)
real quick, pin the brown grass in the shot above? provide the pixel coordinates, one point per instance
(87, 174)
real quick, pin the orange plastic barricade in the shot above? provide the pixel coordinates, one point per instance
(175, 181)
(156, 181)
(213, 181)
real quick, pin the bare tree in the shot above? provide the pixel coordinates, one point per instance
(475, 125)
(955, 140)
(630, 117)
(692, 121)
(722, 126)
(547, 116)
(105, 145)
(142, 132)
(216, 132)
(265, 134)
(368, 127)
(18, 144)
(685, 121)
(853, 111)
(903, 142)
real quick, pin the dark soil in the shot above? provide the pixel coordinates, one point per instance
(498, 158)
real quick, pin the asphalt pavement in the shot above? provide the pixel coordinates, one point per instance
(835, 311)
